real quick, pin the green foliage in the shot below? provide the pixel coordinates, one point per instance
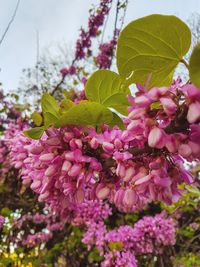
(49, 104)
(6, 212)
(189, 260)
(115, 246)
(150, 48)
(34, 133)
(187, 202)
(117, 121)
(65, 105)
(107, 88)
(194, 66)
(50, 120)
(86, 113)
(94, 256)
(50, 109)
(37, 118)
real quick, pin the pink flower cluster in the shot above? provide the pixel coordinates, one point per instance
(150, 153)
(168, 118)
(68, 71)
(96, 20)
(93, 210)
(43, 226)
(149, 235)
(104, 58)
(2, 220)
(95, 235)
(152, 234)
(130, 168)
(119, 259)
(57, 166)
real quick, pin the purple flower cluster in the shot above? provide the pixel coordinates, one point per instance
(95, 235)
(88, 211)
(34, 239)
(150, 235)
(119, 259)
(130, 168)
(104, 58)
(57, 167)
(96, 20)
(68, 71)
(43, 225)
(2, 220)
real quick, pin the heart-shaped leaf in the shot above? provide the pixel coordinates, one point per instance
(194, 66)
(106, 87)
(152, 47)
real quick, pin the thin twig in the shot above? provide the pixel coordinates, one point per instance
(123, 18)
(105, 24)
(116, 18)
(185, 63)
(10, 22)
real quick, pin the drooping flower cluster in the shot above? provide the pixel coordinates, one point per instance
(131, 167)
(10, 123)
(58, 166)
(150, 153)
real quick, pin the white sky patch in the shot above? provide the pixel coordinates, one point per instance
(59, 21)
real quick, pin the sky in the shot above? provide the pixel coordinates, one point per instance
(59, 21)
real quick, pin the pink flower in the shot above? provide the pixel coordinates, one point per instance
(156, 138)
(193, 112)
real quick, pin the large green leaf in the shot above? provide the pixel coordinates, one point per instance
(34, 133)
(106, 87)
(150, 48)
(86, 113)
(194, 66)
(49, 104)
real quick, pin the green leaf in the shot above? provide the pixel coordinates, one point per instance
(34, 133)
(119, 102)
(94, 256)
(66, 104)
(86, 113)
(50, 120)
(49, 104)
(155, 105)
(117, 121)
(6, 212)
(106, 87)
(194, 190)
(151, 47)
(115, 245)
(37, 118)
(194, 66)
